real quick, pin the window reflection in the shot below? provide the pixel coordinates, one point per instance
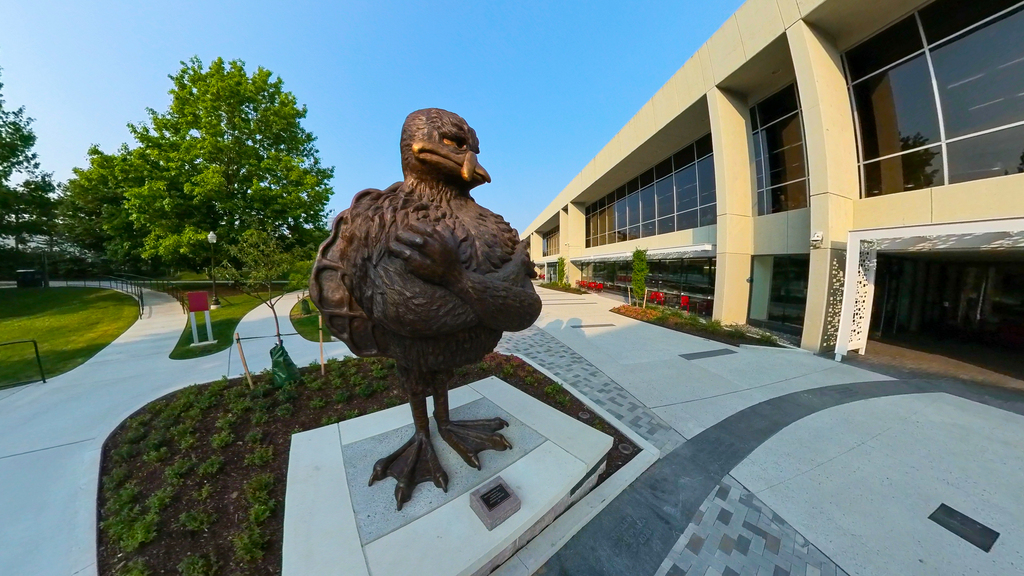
(976, 50)
(910, 171)
(981, 76)
(994, 154)
(687, 283)
(779, 157)
(896, 110)
(663, 199)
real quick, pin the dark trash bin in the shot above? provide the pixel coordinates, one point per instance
(30, 279)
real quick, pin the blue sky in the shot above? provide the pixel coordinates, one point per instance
(545, 85)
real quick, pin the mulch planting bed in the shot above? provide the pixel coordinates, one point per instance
(691, 324)
(194, 482)
(564, 288)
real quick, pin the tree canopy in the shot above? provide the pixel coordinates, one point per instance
(26, 192)
(229, 154)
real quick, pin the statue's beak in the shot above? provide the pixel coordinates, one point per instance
(470, 169)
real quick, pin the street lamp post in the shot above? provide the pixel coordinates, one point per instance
(212, 238)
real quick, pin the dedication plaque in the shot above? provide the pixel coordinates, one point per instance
(494, 502)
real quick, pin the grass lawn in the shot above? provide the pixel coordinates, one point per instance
(70, 324)
(194, 482)
(307, 326)
(224, 319)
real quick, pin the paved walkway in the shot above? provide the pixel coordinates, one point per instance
(51, 434)
(792, 464)
(774, 461)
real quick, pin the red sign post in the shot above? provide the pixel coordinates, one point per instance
(199, 302)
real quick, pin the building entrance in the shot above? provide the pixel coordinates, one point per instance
(966, 306)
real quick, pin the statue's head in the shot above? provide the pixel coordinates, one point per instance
(439, 146)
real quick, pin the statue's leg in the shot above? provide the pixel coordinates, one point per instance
(467, 437)
(415, 461)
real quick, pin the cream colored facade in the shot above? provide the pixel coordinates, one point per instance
(764, 46)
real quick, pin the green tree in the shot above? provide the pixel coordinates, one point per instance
(640, 270)
(93, 214)
(261, 261)
(27, 194)
(561, 271)
(228, 155)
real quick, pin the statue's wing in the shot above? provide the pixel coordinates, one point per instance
(341, 269)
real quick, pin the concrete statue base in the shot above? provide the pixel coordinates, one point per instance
(337, 525)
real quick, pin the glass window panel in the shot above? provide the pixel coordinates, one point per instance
(788, 196)
(632, 186)
(588, 242)
(620, 214)
(686, 188)
(759, 169)
(703, 146)
(686, 220)
(600, 204)
(754, 123)
(708, 214)
(784, 151)
(944, 18)
(666, 224)
(706, 180)
(602, 222)
(609, 217)
(910, 171)
(994, 154)
(664, 168)
(647, 178)
(633, 232)
(620, 193)
(633, 209)
(778, 105)
(648, 229)
(620, 236)
(588, 233)
(896, 110)
(762, 202)
(981, 77)
(892, 44)
(664, 197)
(647, 206)
(683, 158)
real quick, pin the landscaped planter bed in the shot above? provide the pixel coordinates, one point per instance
(563, 288)
(194, 483)
(695, 325)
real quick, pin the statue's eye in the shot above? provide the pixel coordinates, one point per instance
(454, 144)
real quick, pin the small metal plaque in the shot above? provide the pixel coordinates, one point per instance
(965, 527)
(494, 502)
(495, 496)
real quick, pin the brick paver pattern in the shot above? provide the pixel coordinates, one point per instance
(735, 534)
(555, 357)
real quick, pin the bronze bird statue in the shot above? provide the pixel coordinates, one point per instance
(421, 273)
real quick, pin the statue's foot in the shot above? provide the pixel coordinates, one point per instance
(470, 437)
(411, 464)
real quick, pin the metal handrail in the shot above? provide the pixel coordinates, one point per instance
(39, 361)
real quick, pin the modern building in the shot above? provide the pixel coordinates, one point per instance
(837, 169)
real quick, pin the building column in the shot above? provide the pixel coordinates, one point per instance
(537, 250)
(833, 178)
(731, 139)
(572, 232)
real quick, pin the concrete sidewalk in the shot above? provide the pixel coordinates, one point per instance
(790, 464)
(51, 434)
